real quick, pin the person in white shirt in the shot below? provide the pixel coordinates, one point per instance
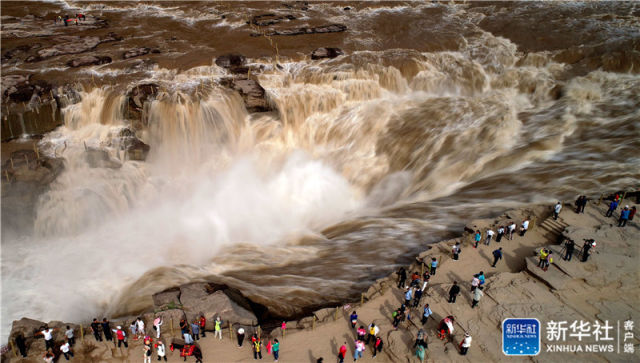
(66, 350)
(156, 324)
(556, 210)
(500, 234)
(525, 226)
(475, 282)
(465, 344)
(69, 334)
(161, 350)
(512, 228)
(140, 327)
(48, 337)
(490, 234)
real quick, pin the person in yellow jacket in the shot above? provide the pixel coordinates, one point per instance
(547, 261)
(218, 328)
(543, 257)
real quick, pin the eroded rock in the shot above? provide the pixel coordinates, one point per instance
(321, 53)
(88, 61)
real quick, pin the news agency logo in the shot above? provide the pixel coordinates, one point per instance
(520, 337)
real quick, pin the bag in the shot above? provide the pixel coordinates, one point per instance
(154, 328)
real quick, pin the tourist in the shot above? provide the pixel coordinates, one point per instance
(188, 339)
(465, 344)
(612, 207)
(156, 326)
(586, 247)
(524, 227)
(203, 324)
(48, 357)
(218, 328)
(497, 255)
(632, 213)
(161, 351)
(478, 237)
(22, 344)
(547, 261)
(490, 234)
(396, 318)
(195, 329)
(542, 256)
(624, 216)
(417, 296)
(456, 251)
(66, 350)
(556, 210)
(70, 337)
(570, 247)
(377, 346)
(361, 333)
(121, 336)
(407, 296)
(445, 329)
(146, 352)
(475, 282)
(240, 337)
(481, 278)
(453, 292)
(373, 332)
(342, 353)
(359, 348)
(184, 327)
(420, 353)
(477, 294)
(511, 229)
(402, 277)
(133, 330)
(106, 329)
(500, 233)
(354, 319)
(419, 338)
(425, 283)
(95, 328)
(434, 265)
(140, 327)
(48, 337)
(276, 349)
(426, 313)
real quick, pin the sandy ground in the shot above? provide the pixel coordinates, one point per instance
(604, 288)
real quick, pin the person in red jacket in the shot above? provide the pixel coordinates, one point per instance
(342, 353)
(203, 322)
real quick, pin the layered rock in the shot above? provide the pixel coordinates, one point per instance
(138, 96)
(322, 29)
(72, 44)
(88, 61)
(252, 93)
(321, 53)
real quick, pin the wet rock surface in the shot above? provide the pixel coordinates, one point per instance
(321, 53)
(89, 60)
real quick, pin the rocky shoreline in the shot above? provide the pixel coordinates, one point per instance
(550, 294)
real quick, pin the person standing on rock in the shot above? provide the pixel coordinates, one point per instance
(157, 322)
(632, 212)
(490, 234)
(612, 207)
(426, 313)
(477, 294)
(66, 350)
(524, 227)
(500, 234)
(407, 296)
(456, 251)
(69, 334)
(453, 292)
(497, 255)
(218, 328)
(121, 336)
(570, 247)
(624, 216)
(434, 265)
(402, 277)
(419, 339)
(188, 339)
(511, 229)
(465, 344)
(48, 337)
(184, 327)
(556, 210)
(585, 249)
(417, 296)
(276, 349)
(195, 329)
(477, 238)
(445, 329)
(140, 327)
(161, 351)
(342, 353)
(95, 327)
(354, 319)
(377, 346)
(240, 337)
(106, 329)
(203, 324)
(257, 348)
